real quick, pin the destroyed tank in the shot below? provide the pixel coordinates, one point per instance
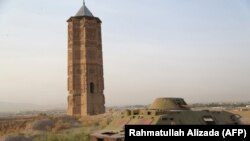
(163, 111)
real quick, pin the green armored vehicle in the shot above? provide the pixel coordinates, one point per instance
(163, 111)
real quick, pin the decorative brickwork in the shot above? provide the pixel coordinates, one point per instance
(85, 67)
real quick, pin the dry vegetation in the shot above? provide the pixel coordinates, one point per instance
(51, 128)
(15, 125)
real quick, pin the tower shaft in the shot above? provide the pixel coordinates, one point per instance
(85, 67)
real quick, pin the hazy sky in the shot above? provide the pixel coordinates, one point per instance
(195, 49)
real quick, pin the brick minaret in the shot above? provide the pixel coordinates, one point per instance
(85, 65)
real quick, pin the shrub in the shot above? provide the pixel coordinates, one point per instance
(60, 125)
(65, 137)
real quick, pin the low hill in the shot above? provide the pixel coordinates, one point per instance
(9, 107)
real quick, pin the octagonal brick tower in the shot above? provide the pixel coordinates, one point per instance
(85, 65)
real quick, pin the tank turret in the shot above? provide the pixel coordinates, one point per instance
(169, 104)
